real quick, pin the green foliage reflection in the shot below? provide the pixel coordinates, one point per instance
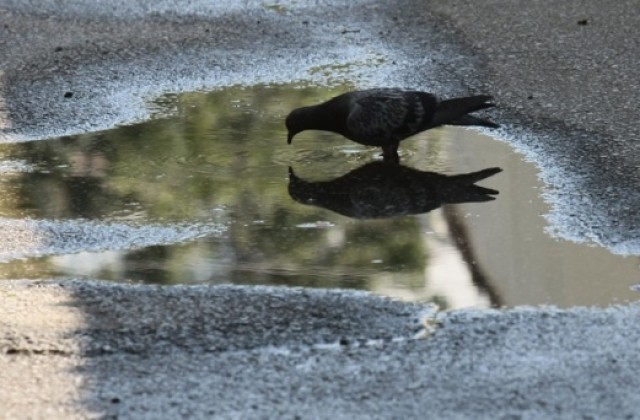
(222, 157)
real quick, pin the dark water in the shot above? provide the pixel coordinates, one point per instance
(222, 160)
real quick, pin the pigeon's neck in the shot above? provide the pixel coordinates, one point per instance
(329, 116)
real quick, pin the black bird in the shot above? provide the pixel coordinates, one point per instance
(378, 190)
(384, 117)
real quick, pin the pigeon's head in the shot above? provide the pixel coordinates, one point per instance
(295, 123)
(300, 190)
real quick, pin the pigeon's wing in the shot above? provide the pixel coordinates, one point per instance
(388, 115)
(377, 115)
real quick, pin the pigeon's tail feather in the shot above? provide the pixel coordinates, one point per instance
(471, 194)
(471, 120)
(462, 188)
(454, 111)
(473, 177)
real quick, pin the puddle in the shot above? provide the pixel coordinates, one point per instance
(222, 162)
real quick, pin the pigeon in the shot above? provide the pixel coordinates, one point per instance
(385, 116)
(378, 190)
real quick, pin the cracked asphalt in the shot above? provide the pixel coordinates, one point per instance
(565, 76)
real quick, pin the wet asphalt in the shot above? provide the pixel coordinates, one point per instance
(565, 77)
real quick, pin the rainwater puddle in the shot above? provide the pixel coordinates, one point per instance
(216, 178)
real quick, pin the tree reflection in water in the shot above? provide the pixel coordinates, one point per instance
(223, 157)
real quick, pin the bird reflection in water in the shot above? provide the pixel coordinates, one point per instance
(378, 190)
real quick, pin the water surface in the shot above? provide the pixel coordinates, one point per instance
(221, 164)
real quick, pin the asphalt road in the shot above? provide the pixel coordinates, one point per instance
(566, 78)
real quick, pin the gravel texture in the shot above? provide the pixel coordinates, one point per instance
(565, 76)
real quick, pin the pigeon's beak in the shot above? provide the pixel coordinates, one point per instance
(290, 137)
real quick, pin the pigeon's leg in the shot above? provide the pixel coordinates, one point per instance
(390, 154)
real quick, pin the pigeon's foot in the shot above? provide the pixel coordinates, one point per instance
(390, 154)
